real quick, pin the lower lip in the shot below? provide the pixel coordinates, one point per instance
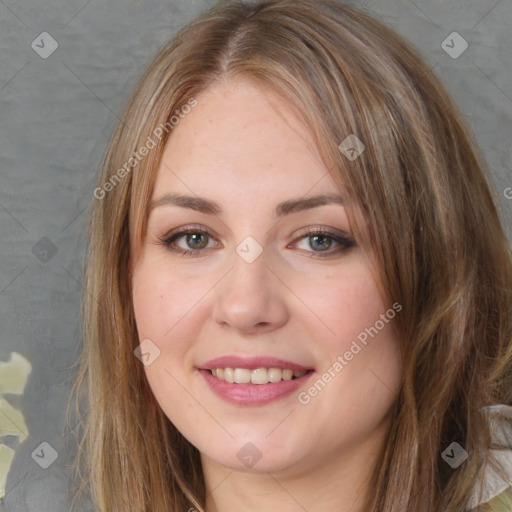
(253, 394)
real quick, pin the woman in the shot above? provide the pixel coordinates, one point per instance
(298, 286)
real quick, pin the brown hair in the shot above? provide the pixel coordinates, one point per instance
(417, 198)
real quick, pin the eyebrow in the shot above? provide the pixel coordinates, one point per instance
(209, 207)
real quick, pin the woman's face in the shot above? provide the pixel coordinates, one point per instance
(262, 294)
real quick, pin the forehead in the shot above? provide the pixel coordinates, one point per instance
(241, 139)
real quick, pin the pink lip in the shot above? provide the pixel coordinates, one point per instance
(252, 394)
(251, 363)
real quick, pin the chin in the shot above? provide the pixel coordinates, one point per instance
(255, 456)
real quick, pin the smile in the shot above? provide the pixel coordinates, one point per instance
(249, 394)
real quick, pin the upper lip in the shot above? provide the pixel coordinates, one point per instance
(251, 363)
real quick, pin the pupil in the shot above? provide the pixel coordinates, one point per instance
(326, 243)
(192, 239)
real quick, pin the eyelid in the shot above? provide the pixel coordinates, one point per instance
(303, 231)
(189, 227)
(324, 229)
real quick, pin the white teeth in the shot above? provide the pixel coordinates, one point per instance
(229, 375)
(274, 374)
(242, 376)
(259, 376)
(287, 374)
(256, 376)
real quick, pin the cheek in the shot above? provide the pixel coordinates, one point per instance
(163, 309)
(358, 328)
(161, 301)
(146, 306)
(169, 310)
(345, 303)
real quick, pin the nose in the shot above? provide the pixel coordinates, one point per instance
(251, 298)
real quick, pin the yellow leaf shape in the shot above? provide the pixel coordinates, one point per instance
(6, 458)
(14, 374)
(12, 422)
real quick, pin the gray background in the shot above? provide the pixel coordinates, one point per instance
(57, 116)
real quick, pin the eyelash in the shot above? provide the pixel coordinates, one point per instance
(344, 242)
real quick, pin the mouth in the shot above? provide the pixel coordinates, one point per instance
(254, 381)
(250, 386)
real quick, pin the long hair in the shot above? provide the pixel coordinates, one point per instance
(418, 199)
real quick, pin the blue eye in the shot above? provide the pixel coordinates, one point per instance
(194, 238)
(320, 240)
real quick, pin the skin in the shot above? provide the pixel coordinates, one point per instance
(242, 147)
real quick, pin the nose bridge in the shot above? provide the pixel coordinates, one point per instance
(250, 296)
